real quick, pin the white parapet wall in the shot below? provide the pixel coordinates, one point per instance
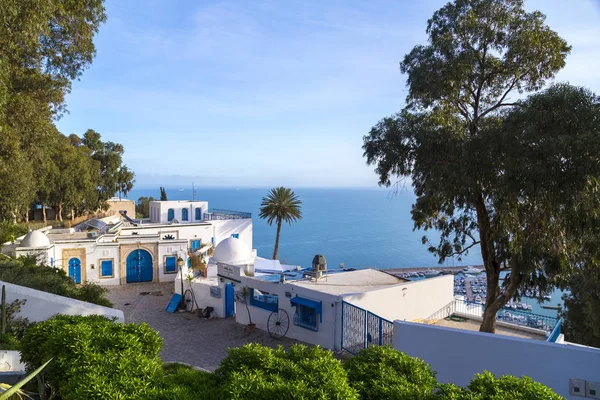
(407, 301)
(40, 305)
(457, 355)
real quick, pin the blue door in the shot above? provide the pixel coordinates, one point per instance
(75, 269)
(139, 266)
(229, 300)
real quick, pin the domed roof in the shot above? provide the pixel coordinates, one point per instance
(232, 251)
(35, 239)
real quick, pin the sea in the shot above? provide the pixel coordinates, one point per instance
(359, 227)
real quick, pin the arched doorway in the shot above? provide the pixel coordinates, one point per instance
(75, 269)
(139, 266)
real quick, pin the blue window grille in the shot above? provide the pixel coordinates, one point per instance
(170, 264)
(236, 235)
(170, 214)
(106, 268)
(269, 302)
(196, 244)
(52, 261)
(198, 214)
(184, 214)
(306, 313)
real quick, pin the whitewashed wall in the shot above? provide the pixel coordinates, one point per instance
(457, 355)
(10, 360)
(41, 305)
(225, 228)
(328, 335)
(175, 248)
(160, 209)
(408, 301)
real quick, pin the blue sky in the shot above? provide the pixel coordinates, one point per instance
(262, 93)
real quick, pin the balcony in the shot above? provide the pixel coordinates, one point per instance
(217, 214)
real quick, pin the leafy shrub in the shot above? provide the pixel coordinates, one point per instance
(15, 326)
(257, 372)
(26, 271)
(9, 232)
(94, 357)
(487, 386)
(182, 382)
(380, 372)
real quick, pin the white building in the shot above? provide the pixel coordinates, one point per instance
(307, 309)
(118, 250)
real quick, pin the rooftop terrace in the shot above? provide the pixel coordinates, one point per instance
(351, 282)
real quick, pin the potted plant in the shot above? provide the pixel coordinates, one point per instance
(242, 296)
(197, 264)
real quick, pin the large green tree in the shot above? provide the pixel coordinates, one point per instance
(486, 167)
(44, 45)
(280, 205)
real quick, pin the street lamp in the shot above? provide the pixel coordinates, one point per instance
(180, 265)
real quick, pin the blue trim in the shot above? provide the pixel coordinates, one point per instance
(170, 264)
(235, 235)
(265, 301)
(316, 305)
(196, 244)
(106, 268)
(553, 337)
(170, 214)
(198, 212)
(184, 214)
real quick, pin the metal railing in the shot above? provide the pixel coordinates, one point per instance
(508, 315)
(553, 337)
(217, 214)
(362, 329)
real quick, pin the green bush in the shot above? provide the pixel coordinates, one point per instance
(9, 232)
(182, 382)
(487, 386)
(95, 358)
(380, 372)
(26, 271)
(257, 372)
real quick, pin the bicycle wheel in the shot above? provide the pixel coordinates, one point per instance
(278, 324)
(188, 300)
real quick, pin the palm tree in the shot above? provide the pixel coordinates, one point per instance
(280, 204)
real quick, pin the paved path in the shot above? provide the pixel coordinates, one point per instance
(186, 337)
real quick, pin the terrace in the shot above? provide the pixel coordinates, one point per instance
(467, 315)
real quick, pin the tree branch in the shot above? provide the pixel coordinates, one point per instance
(465, 249)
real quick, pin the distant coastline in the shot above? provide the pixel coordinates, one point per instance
(443, 270)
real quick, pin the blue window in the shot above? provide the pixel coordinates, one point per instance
(170, 214)
(184, 214)
(170, 264)
(198, 214)
(236, 235)
(212, 240)
(306, 313)
(106, 268)
(269, 302)
(52, 261)
(196, 244)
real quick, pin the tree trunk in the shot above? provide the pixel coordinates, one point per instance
(44, 212)
(72, 214)
(276, 249)
(27, 215)
(60, 210)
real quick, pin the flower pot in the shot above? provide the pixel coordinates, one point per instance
(250, 328)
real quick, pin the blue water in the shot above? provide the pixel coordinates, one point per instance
(359, 227)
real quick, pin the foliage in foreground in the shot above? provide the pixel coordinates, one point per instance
(95, 358)
(396, 375)
(25, 271)
(259, 372)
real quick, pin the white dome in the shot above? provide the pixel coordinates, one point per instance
(232, 251)
(35, 239)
